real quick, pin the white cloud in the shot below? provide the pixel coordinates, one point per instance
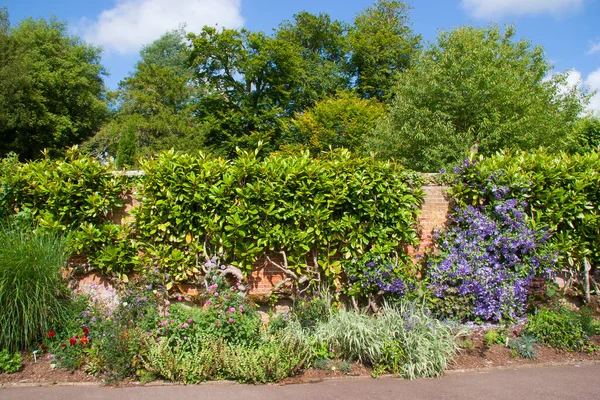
(594, 47)
(500, 8)
(130, 24)
(593, 82)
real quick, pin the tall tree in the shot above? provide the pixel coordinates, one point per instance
(248, 85)
(51, 88)
(476, 89)
(154, 103)
(322, 43)
(381, 44)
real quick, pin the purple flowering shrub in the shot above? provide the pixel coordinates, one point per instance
(380, 276)
(485, 261)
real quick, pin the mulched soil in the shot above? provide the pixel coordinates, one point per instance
(479, 357)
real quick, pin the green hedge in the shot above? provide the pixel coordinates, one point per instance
(561, 191)
(329, 209)
(61, 193)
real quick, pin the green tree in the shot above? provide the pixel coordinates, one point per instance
(51, 88)
(476, 89)
(322, 43)
(155, 102)
(381, 44)
(337, 122)
(247, 85)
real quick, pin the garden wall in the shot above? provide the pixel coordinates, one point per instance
(264, 275)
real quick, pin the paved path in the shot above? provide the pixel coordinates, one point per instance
(547, 383)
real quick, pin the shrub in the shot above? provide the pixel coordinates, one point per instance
(325, 211)
(485, 261)
(32, 292)
(561, 328)
(10, 363)
(559, 191)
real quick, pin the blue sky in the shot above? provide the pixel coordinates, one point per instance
(567, 29)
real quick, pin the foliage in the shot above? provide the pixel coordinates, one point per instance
(32, 292)
(494, 336)
(311, 311)
(154, 105)
(559, 191)
(487, 257)
(60, 193)
(417, 345)
(403, 339)
(586, 135)
(10, 363)
(68, 353)
(562, 328)
(324, 211)
(76, 193)
(376, 275)
(382, 45)
(270, 361)
(126, 150)
(524, 346)
(476, 88)
(51, 89)
(340, 122)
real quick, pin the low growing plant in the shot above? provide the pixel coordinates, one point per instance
(562, 328)
(524, 346)
(10, 362)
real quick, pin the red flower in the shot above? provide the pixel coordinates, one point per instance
(83, 340)
(44, 347)
(86, 330)
(51, 334)
(63, 345)
(73, 340)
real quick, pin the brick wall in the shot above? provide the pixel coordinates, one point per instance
(264, 276)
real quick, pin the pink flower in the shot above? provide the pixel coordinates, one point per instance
(167, 314)
(226, 296)
(185, 325)
(190, 320)
(241, 308)
(232, 309)
(217, 323)
(216, 294)
(179, 325)
(167, 302)
(179, 298)
(238, 284)
(207, 303)
(230, 320)
(172, 321)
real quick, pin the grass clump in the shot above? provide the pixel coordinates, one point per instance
(32, 293)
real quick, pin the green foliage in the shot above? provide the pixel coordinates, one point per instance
(561, 192)
(563, 329)
(340, 122)
(270, 361)
(10, 363)
(381, 44)
(476, 88)
(60, 193)
(586, 135)
(51, 88)
(494, 336)
(32, 292)
(524, 346)
(311, 311)
(326, 210)
(127, 149)
(76, 193)
(417, 345)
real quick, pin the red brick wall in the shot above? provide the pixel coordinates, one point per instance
(265, 275)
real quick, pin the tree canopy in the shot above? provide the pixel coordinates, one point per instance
(51, 88)
(476, 89)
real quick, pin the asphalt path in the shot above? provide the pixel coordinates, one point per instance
(547, 383)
